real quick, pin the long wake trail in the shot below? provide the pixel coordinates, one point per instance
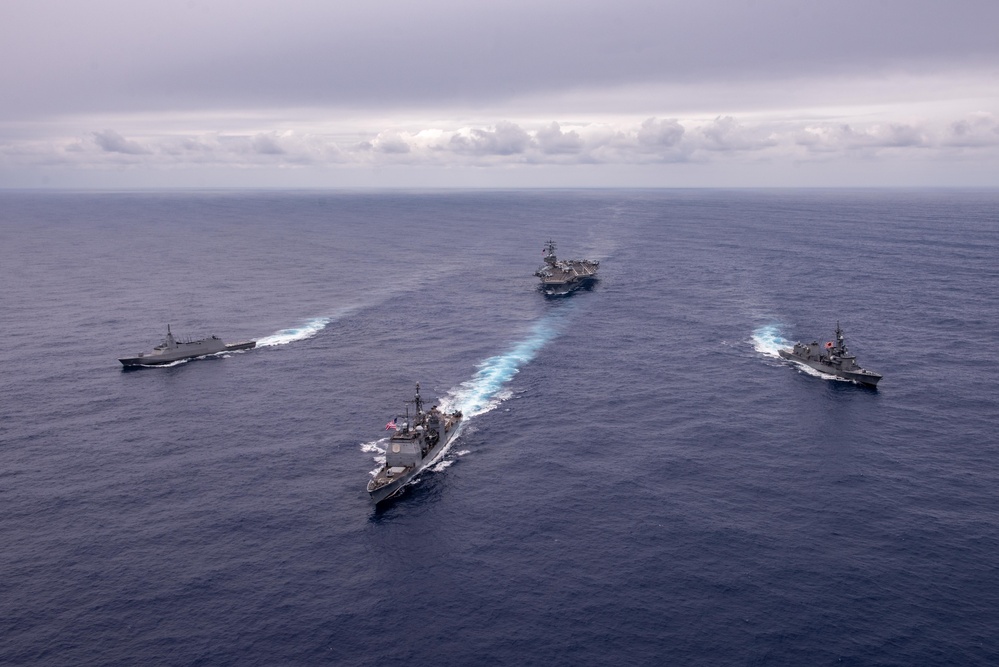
(293, 334)
(306, 330)
(487, 389)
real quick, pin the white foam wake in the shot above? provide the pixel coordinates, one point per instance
(285, 336)
(767, 341)
(486, 389)
(172, 364)
(484, 392)
(376, 447)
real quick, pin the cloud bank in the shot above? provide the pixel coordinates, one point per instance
(653, 140)
(589, 86)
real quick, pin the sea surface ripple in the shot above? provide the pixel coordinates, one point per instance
(640, 479)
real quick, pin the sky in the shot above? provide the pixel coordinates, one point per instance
(507, 93)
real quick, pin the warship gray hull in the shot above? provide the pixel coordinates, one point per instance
(171, 350)
(418, 443)
(567, 287)
(832, 359)
(560, 277)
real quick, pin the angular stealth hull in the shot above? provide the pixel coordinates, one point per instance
(171, 350)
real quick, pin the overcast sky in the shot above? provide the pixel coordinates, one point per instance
(302, 93)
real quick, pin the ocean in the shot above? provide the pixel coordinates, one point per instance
(640, 479)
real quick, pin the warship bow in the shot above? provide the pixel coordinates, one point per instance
(417, 441)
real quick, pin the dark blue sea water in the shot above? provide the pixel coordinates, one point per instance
(641, 480)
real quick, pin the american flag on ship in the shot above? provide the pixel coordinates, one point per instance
(391, 426)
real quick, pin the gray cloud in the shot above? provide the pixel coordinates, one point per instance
(978, 130)
(649, 142)
(506, 139)
(391, 142)
(121, 55)
(267, 144)
(110, 141)
(655, 135)
(899, 135)
(553, 141)
(727, 134)
(844, 137)
(629, 85)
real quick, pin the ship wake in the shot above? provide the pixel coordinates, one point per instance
(768, 341)
(484, 392)
(302, 332)
(487, 388)
(376, 447)
(172, 364)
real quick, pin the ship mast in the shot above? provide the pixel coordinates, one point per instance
(840, 342)
(550, 249)
(418, 403)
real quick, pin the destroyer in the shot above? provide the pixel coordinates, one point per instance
(562, 276)
(416, 443)
(171, 350)
(832, 359)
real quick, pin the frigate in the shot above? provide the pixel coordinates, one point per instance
(562, 276)
(832, 359)
(171, 350)
(417, 442)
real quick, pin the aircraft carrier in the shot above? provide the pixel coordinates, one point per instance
(563, 276)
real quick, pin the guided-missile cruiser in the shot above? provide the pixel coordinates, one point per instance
(832, 359)
(418, 441)
(171, 350)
